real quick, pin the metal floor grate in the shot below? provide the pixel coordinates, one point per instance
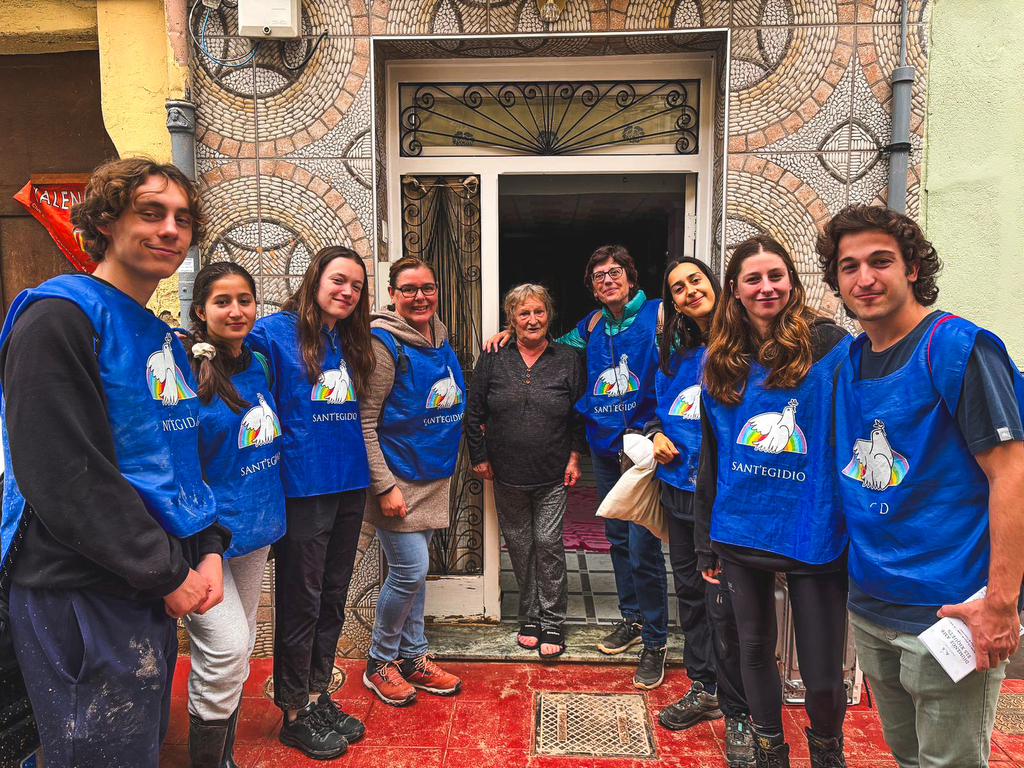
(1010, 713)
(595, 724)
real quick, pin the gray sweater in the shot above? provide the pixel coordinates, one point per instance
(425, 500)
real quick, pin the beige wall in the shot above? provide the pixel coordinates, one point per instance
(975, 165)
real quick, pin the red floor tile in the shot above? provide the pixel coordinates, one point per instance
(485, 758)
(426, 723)
(504, 723)
(702, 739)
(1010, 744)
(490, 681)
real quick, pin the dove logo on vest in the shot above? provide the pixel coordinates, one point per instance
(773, 432)
(334, 386)
(260, 425)
(875, 464)
(444, 393)
(617, 380)
(687, 404)
(164, 378)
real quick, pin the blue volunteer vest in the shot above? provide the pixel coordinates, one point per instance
(241, 454)
(421, 422)
(916, 500)
(776, 485)
(620, 379)
(678, 410)
(151, 401)
(322, 442)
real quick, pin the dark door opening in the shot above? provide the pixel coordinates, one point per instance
(548, 228)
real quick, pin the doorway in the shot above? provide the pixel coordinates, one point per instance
(548, 227)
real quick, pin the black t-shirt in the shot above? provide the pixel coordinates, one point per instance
(89, 527)
(986, 414)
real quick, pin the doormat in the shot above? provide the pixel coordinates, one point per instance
(1010, 713)
(594, 724)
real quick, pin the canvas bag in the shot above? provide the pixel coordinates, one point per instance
(636, 497)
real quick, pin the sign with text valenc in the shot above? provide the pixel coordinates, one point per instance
(49, 199)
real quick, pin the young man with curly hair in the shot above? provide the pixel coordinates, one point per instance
(928, 435)
(108, 527)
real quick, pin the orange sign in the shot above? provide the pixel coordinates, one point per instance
(49, 199)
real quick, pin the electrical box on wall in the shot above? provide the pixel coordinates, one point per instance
(269, 18)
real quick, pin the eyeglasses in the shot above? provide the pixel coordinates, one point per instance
(614, 273)
(410, 291)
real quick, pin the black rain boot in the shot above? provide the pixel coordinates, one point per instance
(826, 751)
(771, 750)
(206, 742)
(228, 761)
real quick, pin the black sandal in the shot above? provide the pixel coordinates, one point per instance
(528, 630)
(552, 637)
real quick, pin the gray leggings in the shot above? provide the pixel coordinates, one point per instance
(222, 639)
(531, 522)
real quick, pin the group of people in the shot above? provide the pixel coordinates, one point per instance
(150, 472)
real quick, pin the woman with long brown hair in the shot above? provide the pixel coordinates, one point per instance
(239, 452)
(320, 357)
(766, 499)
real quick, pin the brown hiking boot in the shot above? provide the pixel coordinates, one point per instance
(424, 674)
(385, 679)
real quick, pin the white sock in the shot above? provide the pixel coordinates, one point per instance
(314, 697)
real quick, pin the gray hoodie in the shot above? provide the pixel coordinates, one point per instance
(425, 500)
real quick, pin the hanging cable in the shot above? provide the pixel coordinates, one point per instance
(234, 63)
(308, 56)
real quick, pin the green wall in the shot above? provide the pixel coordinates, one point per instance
(973, 207)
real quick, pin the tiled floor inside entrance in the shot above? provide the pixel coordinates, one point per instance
(491, 723)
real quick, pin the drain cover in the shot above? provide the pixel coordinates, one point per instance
(598, 724)
(337, 679)
(1010, 713)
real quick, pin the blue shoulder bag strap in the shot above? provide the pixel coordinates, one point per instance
(266, 369)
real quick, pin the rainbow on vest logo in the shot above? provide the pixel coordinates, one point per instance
(773, 432)
(260, 425)
(687, 403)
(617, 380)
(444, 393)
(334, 386)
(164, 378)
(875, 464)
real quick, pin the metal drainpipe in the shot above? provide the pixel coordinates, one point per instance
(899, 141)
(181, 123)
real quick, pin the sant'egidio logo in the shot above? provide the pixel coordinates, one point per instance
(444, 393)
(260, 425)
(875, 464)
(773, 432)
(617, 380)
(334, 386)
(687, 404)
(166, 383)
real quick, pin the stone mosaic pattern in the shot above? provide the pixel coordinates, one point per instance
(288, 158)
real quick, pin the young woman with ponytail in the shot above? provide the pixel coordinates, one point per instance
(239, 450)
(321, 360)
(766, 496)
(690, 293)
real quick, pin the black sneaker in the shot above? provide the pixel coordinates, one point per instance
(696, 706)
(651, 669)
(312, 734)
(739, 742)
(343, 723)
(625, 635)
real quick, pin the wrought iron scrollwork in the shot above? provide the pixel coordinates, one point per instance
(441, 224)
(550, 118)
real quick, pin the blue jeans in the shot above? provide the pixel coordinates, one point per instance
(928, 720)
(639, 565)
(398, 628)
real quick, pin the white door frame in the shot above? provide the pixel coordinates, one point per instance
(479, 596)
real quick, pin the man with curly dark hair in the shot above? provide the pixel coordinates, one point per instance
(929, 434)
(108, 528)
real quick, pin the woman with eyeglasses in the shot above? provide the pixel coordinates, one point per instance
(412, 422)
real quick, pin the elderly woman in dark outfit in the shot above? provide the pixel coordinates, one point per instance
(524, 434)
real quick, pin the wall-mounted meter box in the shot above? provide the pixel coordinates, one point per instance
(269, 18)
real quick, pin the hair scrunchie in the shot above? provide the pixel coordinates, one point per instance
(202, 349)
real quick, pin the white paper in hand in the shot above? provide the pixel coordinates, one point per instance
(949, 641)
(639, 449)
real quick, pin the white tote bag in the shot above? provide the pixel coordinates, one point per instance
(637, 495)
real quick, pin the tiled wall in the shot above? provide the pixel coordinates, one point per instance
(286, 156)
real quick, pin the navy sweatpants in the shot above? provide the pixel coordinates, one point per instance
(98, 671)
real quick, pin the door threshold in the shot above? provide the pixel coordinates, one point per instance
(482, 642)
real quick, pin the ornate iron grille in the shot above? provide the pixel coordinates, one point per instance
(550, 118)
(441, 224)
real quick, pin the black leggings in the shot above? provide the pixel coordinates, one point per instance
(819, 616)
